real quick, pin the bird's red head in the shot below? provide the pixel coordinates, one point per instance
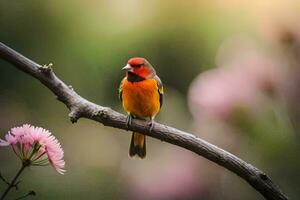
(136, 61)
(140, 67)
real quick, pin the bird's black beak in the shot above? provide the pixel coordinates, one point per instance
(127, 68)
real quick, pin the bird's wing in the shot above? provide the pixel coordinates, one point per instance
(121, 89)
(160, 89)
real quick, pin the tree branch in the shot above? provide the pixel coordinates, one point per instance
(82, 108)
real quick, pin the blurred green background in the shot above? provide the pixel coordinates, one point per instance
(231, 72)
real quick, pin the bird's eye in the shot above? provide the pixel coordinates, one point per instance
(137, 65)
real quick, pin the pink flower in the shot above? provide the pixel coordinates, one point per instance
(35, 146)
(218, 93)
(246, 74)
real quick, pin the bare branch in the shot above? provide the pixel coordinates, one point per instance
(82, 108)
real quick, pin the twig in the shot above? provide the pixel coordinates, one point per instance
(82, 108)
(7, 183)
(13, 182)
(3, 179)
(30, 193)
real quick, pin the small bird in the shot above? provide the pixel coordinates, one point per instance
(141, 95)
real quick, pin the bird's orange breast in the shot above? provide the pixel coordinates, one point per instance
(140, 99)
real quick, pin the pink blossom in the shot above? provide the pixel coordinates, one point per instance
(176, 177)
(246, 74)
(35, 146)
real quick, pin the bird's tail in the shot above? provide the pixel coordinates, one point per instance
(137, 145)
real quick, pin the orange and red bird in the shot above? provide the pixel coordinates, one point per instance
(141, 95)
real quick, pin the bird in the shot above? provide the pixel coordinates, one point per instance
(141, 95)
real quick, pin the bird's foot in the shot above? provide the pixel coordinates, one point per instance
(128, 121)
(151, 124)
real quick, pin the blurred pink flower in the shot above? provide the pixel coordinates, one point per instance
(215, 93)
(35, 146)
(246, 73)
(176, 177)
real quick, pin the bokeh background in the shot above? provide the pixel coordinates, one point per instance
(231, 72)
